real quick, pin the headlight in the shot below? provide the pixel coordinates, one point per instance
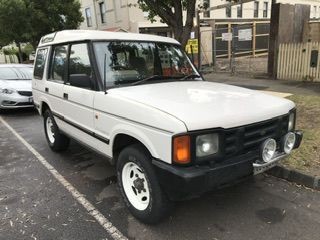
(289, 141)
(268, 149)
(7, 91)
(291, 121)
(207, 144)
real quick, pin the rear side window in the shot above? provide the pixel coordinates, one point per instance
(40, 63)
(59, 63)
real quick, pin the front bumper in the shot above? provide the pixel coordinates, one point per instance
(186, 182)
(13, 101)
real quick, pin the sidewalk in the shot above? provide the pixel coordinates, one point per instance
(265, 84)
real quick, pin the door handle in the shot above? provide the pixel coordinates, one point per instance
(46, 89)
(65, 96)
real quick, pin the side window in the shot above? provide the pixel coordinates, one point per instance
(80, 71)
(58, 63)
(40, 63)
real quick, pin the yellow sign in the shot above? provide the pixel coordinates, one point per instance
(192, 46)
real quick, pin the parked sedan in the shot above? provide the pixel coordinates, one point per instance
(15, 86)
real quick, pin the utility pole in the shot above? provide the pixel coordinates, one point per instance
(199, 39)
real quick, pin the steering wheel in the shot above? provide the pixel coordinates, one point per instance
(120, 67)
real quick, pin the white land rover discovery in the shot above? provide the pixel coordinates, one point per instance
(138, 100)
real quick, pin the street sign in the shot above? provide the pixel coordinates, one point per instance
(226, 36)
(245, 34)
(192, 46)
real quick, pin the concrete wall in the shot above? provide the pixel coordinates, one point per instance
(311, 32)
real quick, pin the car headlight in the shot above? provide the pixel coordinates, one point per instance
(291, 122)
(7, 91)
(207, 144)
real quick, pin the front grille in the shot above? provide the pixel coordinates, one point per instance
(25, 93)
(24, 104)
(248, 138)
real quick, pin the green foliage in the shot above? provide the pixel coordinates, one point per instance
(13, 23)
(28, 20)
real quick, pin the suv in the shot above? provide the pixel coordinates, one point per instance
(138, 100)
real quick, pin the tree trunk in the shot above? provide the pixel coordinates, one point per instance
(20, 53)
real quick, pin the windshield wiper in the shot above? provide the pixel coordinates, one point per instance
(190, 76)
(154, 77)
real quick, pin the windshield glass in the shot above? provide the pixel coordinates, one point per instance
(130, 62)
(15, 73)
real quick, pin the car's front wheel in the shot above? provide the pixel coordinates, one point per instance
(56, 140)
(139, 186)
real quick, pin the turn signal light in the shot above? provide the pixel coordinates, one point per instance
(181, 150)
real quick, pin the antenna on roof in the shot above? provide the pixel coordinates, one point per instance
(105, 74)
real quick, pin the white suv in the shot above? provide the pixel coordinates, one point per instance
(138, 100)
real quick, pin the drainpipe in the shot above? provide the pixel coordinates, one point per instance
(95, 13)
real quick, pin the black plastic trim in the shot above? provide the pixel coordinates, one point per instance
(89, 132)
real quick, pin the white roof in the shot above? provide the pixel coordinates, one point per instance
(82, 35)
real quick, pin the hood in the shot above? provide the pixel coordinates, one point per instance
(204, 105)
(19, 85)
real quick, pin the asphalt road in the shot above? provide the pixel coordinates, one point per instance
(34, 205)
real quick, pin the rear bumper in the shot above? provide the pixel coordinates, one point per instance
(187, 182)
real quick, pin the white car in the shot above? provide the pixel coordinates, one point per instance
(138, 100)
(15, 86)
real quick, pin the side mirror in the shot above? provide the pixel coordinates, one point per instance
(80, 80)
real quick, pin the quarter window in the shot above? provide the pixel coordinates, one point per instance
(59, 61)
(40, 63)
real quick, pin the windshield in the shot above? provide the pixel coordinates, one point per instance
(130, 62)
(15, 73)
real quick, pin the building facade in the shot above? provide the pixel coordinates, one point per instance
(125, 15)
(259, 9)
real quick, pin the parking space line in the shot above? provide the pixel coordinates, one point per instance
(95, 213)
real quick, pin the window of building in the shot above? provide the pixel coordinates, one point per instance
(79, 61)
(314, 11)
(228, 11)
(88, 17)
(239, 11)
(265, 9)
(256, 9)
(206, 5)
(102, 8)
(40, 63)
(58, 63)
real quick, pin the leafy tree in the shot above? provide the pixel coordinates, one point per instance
(14, 23)
(171, 13)
(28, 20)
(48, 16)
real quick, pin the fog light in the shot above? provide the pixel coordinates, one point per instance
(268, 149)
(289, 141)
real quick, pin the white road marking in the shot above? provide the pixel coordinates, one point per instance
(99, 217)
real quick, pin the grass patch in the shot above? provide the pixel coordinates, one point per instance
(307, 157)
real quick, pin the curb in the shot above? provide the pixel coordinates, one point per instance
(295, 176)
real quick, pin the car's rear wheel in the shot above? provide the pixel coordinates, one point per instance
(56, 140)
(139, 186)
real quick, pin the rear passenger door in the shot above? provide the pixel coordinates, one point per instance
(56, 78)
(78, 91)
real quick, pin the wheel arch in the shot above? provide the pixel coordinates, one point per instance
(124, 139)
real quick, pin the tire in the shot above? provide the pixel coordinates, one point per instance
(139, 186)
(57, 141)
